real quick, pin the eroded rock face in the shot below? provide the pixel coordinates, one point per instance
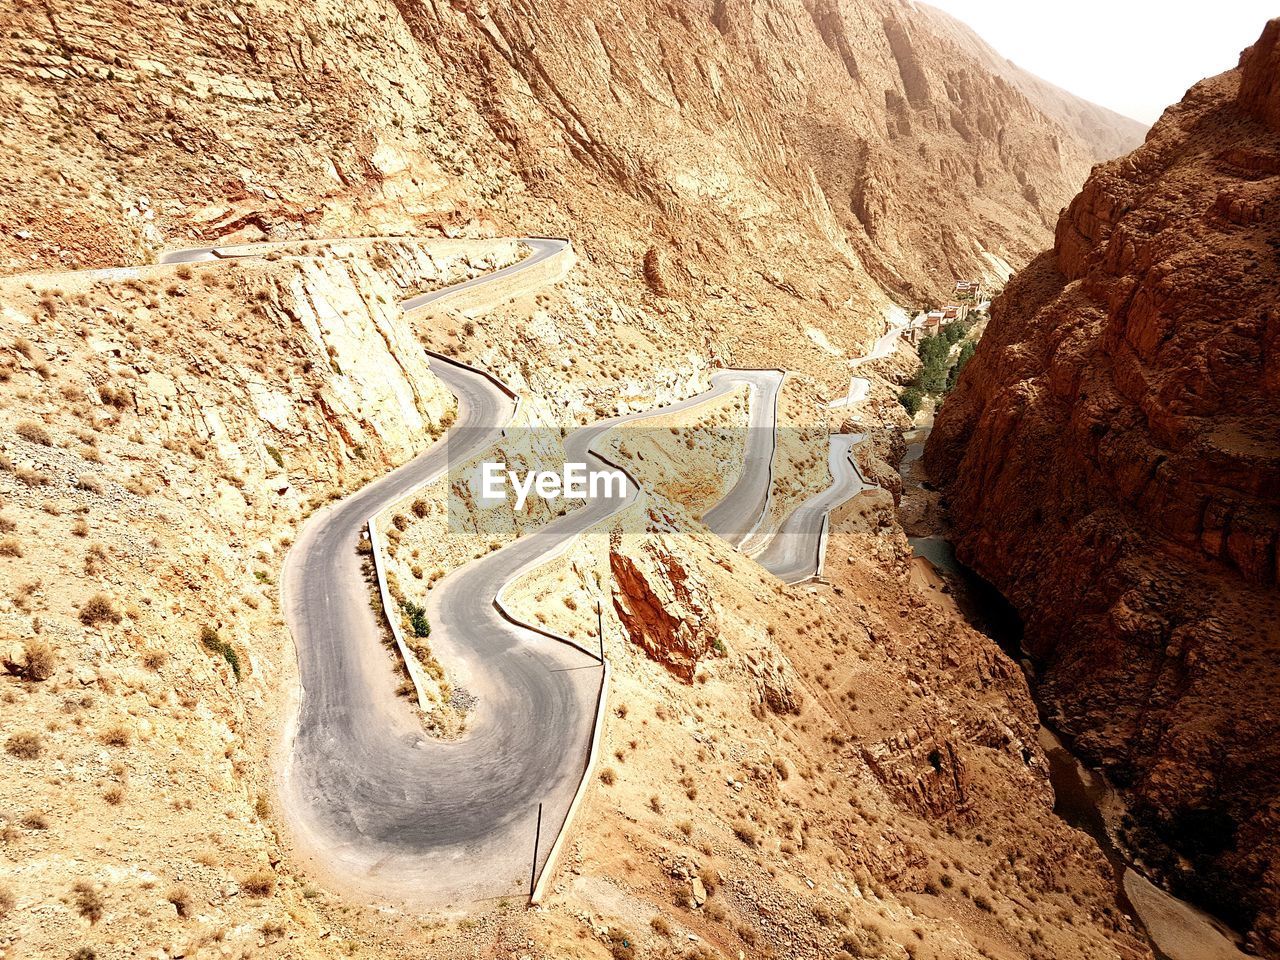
(664, 605)
(777, 686)
(924, 771)
(1112, 461)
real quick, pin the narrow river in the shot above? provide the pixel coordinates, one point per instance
(1083, 797)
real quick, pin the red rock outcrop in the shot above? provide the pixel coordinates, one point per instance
(664, 605)
(1111, 458)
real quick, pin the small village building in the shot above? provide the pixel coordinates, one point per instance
(968, 290)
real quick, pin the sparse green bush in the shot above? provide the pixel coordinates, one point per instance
(417, 618)
(210, 640)
(911, 398)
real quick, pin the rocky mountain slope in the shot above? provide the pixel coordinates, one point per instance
(780, 158)
(1105, 132)
(849, 769)
(1112, 462)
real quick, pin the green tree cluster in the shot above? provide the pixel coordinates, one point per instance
(938, 371)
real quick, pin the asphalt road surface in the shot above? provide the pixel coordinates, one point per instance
(794, 553)
(746, 505)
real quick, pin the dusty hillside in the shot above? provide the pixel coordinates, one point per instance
(1112, 464)
(842, 768)
(164, 431)
(758, 161)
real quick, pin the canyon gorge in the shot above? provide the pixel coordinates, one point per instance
(246, 249)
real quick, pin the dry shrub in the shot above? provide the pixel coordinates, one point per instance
(180, 897)
(30, 478)
(25, 745)
(114, 794)
(10, 547)
(99, 609)
(39, 659)
(89, 902)
(117, 397)
(154, 659)
(7, 899)
(35, 820)
(117, 735)
(260, 883)
(33, 432)
(94, 558)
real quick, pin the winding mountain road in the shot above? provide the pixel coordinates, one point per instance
(374, 803)
(746, 506)
(795, 552)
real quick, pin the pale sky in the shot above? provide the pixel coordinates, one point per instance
(1135, 56)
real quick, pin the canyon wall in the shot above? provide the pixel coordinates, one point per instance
(1111, 457)
(757, 162)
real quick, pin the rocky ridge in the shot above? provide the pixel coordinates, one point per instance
(1111, 463)
(699, 154)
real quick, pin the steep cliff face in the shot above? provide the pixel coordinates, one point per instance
(1112, 460)
(759, 154)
